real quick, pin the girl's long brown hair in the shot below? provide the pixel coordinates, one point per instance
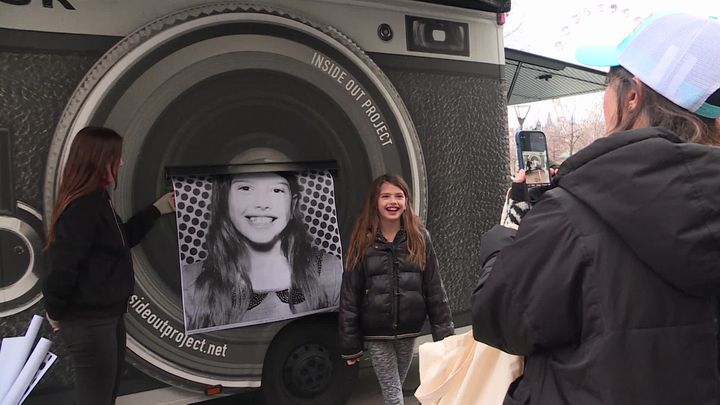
(95, 151)
(368, 223)
(660, 111)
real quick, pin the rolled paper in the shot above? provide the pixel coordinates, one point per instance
(14, 353)
(44, 367)
(31, 367)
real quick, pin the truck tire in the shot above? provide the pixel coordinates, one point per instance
(303, 365)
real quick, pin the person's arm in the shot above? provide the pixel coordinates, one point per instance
(140, 224)
(521, 198)
(531, 299)
(351, 295)
(493, 241)
(437, 304)
(74, 236)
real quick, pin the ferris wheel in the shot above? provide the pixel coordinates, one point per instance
(559, 31)
(590, 22)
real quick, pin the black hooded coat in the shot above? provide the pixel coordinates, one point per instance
(608, 286)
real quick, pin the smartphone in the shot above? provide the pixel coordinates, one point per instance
(533, 157)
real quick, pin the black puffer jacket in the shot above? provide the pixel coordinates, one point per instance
(91, 272)
(387, 297)
(608, 286)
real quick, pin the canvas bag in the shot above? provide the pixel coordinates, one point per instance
(461, 371)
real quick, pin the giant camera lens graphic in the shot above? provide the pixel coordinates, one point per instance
(203, 85)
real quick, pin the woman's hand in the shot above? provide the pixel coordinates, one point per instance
(519, 189)
(518, 203)
(352, 362)
(53, 323)
(166, 203)
(522, 198)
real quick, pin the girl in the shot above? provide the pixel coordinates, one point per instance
(608, 288)
(261, 266)
(390, 285)
(91, 272)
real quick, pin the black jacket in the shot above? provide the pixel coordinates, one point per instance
(91, 272)
(607, 287)
(387, 297)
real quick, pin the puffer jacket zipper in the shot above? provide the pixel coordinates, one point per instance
(396, 286)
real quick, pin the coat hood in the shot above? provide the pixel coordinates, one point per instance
(661, 195)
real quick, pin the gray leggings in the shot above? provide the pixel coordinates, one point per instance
(391, 361)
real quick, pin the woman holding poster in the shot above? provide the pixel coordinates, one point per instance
(91, 269)
(261, 266)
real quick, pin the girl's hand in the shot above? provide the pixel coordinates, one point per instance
(352, 362)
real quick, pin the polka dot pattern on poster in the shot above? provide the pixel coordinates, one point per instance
(316, 204)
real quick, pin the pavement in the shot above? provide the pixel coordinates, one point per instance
(366, 391)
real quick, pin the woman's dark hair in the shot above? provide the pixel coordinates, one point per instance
(660, 111)
(223, 287)
(368, 223)
(93, 161)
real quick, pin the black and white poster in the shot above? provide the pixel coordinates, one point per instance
(256, 247)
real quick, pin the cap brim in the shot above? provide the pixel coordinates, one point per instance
(598, 55)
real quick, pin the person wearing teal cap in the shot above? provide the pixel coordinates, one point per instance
(608, 285)
(670, 60)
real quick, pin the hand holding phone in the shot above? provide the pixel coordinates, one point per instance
(533, 157)
(517, 202)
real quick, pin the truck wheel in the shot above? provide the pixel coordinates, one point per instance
(303, 365)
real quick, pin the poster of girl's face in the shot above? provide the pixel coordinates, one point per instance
(257, 247)
(260, 206)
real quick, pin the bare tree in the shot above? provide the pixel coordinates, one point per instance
(568, 130)
(594, 122)
(571, 130)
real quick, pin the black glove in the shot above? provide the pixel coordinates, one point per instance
(519, 204)
(521, 199)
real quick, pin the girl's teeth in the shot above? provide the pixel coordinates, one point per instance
(260, 220)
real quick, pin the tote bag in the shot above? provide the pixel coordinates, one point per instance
(461, 371)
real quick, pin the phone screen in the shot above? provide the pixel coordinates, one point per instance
(533, 156)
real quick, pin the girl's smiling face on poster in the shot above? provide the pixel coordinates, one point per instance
(391, 202)
(260, 206)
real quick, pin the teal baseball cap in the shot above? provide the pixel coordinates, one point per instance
(675, 54)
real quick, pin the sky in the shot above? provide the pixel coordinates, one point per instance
(556, 28)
